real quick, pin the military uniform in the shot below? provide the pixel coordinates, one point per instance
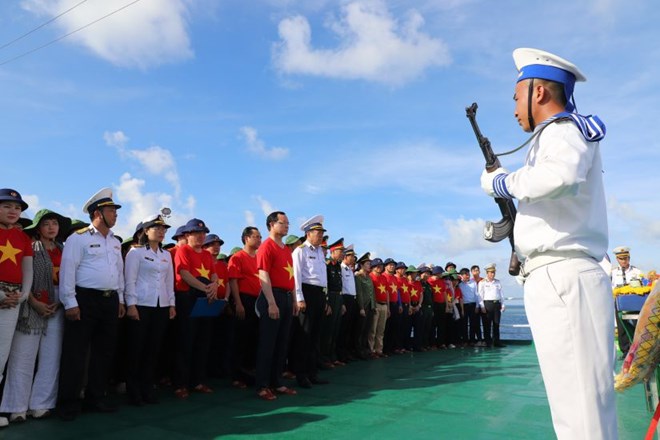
(330, 323)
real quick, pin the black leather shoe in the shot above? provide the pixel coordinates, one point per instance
(304, 383)
(67, 415)
(101, 407)
(317, 381)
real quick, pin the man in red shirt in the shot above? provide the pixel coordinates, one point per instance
(382, 311)
(439, 331)
(393, 326)
(274, 307)
(245, 288)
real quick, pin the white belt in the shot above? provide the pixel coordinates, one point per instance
(533, 262)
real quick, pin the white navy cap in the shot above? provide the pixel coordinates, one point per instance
(349, 250)
(101, 199)
(313, 224)
(490, 267)
(621, 250)
(537, 63)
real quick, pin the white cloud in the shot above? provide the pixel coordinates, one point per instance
(148, 33)
(265, 205)
(373, 46)
(155, 159)
(257, 147)
(249, 218)
(33, 205)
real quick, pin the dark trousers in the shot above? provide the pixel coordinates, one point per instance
(193, 343)
(362, 328)
(221, 352)
(246, 337)
(392, 329)
(417, 326)
(471, 327)
(347, 341)
(622, 337)
(307, 338)
(95, 333)
(440, 324)
(405, 328)
(273, 339)
(330, 328)
(492, 327)
(427, 325)
(143, 346)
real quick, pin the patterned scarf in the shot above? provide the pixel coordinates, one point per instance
(29, 321)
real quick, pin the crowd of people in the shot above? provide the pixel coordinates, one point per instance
(83, 310)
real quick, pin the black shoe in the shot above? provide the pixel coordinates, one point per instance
(67, 415)
(304, 383)
(499, 345)
(101, 407)
(317, 381)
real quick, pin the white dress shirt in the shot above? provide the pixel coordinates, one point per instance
(561, 200)
(93, 261)
(618, 278)
(149, 278)
(347, 280)
(309, 268)
(489, 291)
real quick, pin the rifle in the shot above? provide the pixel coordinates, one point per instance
(498, 231)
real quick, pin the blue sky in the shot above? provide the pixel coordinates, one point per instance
(226, 110)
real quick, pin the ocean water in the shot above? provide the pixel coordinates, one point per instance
(513, 324)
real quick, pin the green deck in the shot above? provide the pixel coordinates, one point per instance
(454, 394)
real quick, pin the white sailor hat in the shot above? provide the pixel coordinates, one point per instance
(154, 220)
(101, 199)
(622, 250)
(313, 224)
(490, 267)
(349, 250)
(536, 63)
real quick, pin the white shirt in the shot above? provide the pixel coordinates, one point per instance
(347, 280)
(489, 291)
(93, 261)
(469, 291)
(561, 199)
(309, 268)
(149, 278)
(618, 278)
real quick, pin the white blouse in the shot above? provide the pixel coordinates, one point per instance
(149, 278)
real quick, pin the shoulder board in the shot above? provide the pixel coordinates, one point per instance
(83, 230)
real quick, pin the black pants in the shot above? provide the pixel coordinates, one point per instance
(330, 328)
(193, 343)
(427, 325)
(221, 351)
(362, 328)
(347, 341)
(273, 339)
(405, 328)
(440, 330)
(307, 339)
(417, 326)
(471, 326)
(392, 329)
(96, 333)
(143, 346)
(492, 327)
(246, 337)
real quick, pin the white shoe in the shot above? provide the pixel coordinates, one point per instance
(4, 422)
(18, 417)
(40, 413)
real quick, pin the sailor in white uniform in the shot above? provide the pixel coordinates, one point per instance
(561, 235)
(624, 272)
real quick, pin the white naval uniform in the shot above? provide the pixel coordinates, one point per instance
(562, 216)
(309, 268)
(347, 281)
(149, 278)
(622, 278)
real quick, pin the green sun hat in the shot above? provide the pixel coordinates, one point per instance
(43, 214)
(412, 269)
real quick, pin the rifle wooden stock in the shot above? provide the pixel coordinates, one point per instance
(496, 231)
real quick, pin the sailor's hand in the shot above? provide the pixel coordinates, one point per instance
(492, 184)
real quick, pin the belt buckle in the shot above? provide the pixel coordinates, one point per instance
(106, 293)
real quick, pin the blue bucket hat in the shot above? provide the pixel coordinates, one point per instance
(178, 233)
(212, 238)
(401, 265)
(437, 270)
(388, 261)
(195, 225)
(11, 195)
(376, 262)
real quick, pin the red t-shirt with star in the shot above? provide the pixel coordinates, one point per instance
(243, 268)
(404, 288)
(439, 290)
(392, 287)
(416, 291)
(14, 245)
(277, 261)
(222, 271)
(381, 291)
(199, 264)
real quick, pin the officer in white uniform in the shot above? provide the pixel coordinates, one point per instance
(92, 292)
(561, 235)
(624, 272)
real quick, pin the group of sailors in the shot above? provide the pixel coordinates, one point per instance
(93, 310)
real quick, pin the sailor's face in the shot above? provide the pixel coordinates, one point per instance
(520, 111)
(110, 215)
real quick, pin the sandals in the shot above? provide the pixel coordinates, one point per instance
(266, 394)
(181, 393)
(202, 388)
(286, 391)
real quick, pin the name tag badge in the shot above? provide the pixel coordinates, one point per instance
(96, 245)
(147, 258)
(312, 257)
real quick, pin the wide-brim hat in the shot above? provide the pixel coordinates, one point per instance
(195, 225)
(437, 270)
(43, 214)
(11, 195)
(450, 274)
(24, 222)
(234, 250)
(389, 261)
(411, 269)
(424, 268)
(178, 233)
(102, 199)
(401, 265)
(212, 238)
(376, 262)
(291, 239)
(76, 225)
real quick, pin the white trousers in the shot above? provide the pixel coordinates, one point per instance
(25, 389)
(569, 308)
(8, 318)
